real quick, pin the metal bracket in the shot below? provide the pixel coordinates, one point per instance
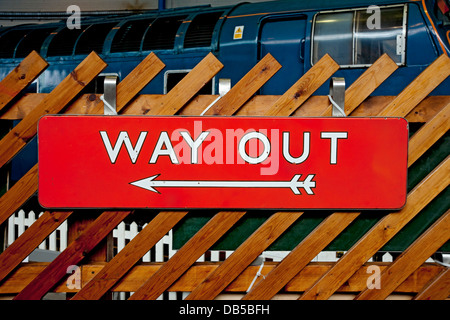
(224, 87)
(337, 96)
(109, 96)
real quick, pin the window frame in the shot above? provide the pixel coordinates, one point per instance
(353, 65)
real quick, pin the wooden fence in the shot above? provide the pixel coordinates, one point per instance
(89, 230)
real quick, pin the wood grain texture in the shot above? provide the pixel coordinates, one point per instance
(426, 274)
(427, 135)
(366, 84)
(72, 255)
(137, 79)
(20, 192)
(20, 77)
(255, 106)
(260, 240)
(436, 289)
(298, 93)
(53, 103)
(187, 255)
(30, 240)
(126, 259)
(381, 233)
(411, 259)
(421, 87)
(246, 87)
(302, 254)
(176, 98)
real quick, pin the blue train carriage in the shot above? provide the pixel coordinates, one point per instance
(296, 33)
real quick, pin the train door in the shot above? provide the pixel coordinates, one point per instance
(284, 39)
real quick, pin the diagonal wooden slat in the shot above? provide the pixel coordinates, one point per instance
(146, 239)
(72, 255)
(246, 87)
(398, 107)
(130, 255)
(436, 289)
(304, 87)
(262, 238)
(27, 185)
(18, 137)
(284, 106)
(267, 290)
(20, 77)
(380, 234)
(126, 91)
(302, 254)
(421, 87)
(355, 95)
(137, 79)
(411, 259)
(266, 68)
(20, 192)
(173, 101)
(371, 79)
(187, 255)
(30, 239)
(423, 139)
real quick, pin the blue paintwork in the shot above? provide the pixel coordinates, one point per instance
(282, 28)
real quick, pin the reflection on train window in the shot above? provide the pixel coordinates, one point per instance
(352, 38)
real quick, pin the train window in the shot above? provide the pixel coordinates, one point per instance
(32, 41)
(370, 44)
(129, 36)
(93, 38)
(64, 41)
(200, 30)
(9, 41)
(333, 35)
(353, 40)
(162, 33)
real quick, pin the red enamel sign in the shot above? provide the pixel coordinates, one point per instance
(222, 162)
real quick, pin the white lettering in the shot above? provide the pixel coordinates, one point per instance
(373, 281)
(163, 140)
(133, 152)
(254, 135)
(194, 144)
(74, 21)
(305, 154)
(374, 21)
(334, 148)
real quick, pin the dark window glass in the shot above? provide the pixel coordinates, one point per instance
(93, 38)
(200, 30)
(62, 44)
(32, 41)
(9, 41)
(129, 36)
(162, 33)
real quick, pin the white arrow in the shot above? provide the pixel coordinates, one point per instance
(150, 184)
